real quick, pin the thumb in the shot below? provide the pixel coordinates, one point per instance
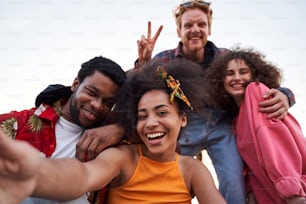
(267, 94)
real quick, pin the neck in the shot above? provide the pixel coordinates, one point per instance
(66, 112)
(196, 55)
(168, 156)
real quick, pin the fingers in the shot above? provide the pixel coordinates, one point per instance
(274, 107)
(89, 146)
(80, 152)
(270, 105)
(149, 30)
(142, 43)
(148, 39)
(92, 151)
(278, 114)
(277, 106)
(268, 94)
(82, 146)
(157, 33)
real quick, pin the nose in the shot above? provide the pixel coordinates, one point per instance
(97, 104)
(236, 76)
(151, 122)
(195, 28)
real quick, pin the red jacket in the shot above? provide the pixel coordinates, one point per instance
(36, 126)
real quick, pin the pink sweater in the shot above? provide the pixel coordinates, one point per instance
(274, 151)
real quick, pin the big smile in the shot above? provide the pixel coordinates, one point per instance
(154, 136)
(237, 86)
(89, 113)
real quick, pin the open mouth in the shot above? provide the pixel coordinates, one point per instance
(90, 114)
(155, 136)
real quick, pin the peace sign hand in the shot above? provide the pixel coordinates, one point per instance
(146, 45)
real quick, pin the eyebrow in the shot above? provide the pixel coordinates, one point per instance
(89, 86)
(155, 108)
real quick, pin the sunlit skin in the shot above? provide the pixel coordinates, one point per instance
(193, 33)
(91, 100)
(237, 75)
(158, 120)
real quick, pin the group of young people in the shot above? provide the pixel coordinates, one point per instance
(182, 101)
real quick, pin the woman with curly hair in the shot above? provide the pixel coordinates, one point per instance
(273, 149)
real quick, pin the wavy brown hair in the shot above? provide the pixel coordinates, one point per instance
(261, 70)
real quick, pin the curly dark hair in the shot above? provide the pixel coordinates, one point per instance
(188, 73)
(105, 66)
(261, 70)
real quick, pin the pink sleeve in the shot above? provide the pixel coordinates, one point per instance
(279, 146)
(281, 158)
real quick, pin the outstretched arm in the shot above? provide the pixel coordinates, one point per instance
(23, 167)
(19, 163)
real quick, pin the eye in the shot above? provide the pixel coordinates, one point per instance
(244, 71)
(188, 25)
(229, 73)
(142, 116)
(202, 25)
(91, 92)
(162, 113)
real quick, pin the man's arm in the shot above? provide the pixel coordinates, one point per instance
(289, 94)
(94, 141)
(278, 104)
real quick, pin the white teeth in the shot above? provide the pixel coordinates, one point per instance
(237, 85)
(154, 135)
(88, 111)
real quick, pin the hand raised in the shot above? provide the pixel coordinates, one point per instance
(146, 45)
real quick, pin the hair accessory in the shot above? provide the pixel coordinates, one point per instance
(174, 85)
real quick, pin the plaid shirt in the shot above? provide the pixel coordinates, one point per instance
(211, 51)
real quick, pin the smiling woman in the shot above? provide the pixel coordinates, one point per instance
(273, 149)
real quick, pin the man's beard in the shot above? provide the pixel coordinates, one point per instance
(75, 115)
(74, 112)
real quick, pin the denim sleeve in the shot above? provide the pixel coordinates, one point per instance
(289, 94)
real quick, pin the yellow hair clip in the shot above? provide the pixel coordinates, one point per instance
(174, 85)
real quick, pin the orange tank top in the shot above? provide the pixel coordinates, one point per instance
(152, 182)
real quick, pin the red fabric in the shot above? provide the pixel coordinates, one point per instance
(98, 197)
(274, 150)
(43, 140)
